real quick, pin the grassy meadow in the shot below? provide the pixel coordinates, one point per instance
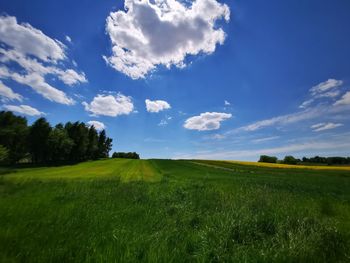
(121, 210)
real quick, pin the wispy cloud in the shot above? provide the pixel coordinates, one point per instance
(325, 86)
(165, 121)
(265, 139)
(326, 89)
(68, 39)
(307, 148)
(325, 126)
(327, 108)
(284, 119)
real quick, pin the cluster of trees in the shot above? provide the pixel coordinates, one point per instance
(268, 159)
(42, 144)
(313, 160)
(129, 155)
(327, 160)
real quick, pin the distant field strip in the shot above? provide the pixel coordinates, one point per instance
(289, 166)
(126, 170)
(140, 170)
(213, 166)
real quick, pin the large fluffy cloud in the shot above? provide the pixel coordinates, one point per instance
(24, 109)
(8, 94)
(97, 124)
(156, 105)
(38, 56)
(110, 105)
(162, 32)
(206, 121)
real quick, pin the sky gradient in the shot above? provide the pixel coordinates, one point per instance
(184, 79)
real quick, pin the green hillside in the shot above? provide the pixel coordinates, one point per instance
(174, 211)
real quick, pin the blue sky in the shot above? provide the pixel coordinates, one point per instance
(222, 79)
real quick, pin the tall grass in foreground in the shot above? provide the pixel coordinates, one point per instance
(174, 211)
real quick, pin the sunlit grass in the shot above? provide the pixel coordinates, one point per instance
(174, 211)
(125, 169)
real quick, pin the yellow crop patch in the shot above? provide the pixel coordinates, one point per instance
(289, 166)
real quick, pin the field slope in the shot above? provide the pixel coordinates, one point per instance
(174, 211)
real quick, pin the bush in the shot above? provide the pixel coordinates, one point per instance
(268, 159)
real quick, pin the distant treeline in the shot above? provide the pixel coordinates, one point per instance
(42, 144)
(313, 160)
(129, 155)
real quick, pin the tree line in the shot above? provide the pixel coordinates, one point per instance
(128, 155)
(289, 159)
(40, 143)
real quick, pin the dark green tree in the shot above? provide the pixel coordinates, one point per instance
(104, 145)
(290, 160)
(42, 144)
(92, 149)
(59, 145)
(268, 159)
(38, 141)
(13, 136)
(79, 133)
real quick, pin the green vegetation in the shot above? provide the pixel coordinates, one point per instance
(268, 159)
(317, 160)
(290, 160)
(122, 210)
(129, 155)
(42, 144)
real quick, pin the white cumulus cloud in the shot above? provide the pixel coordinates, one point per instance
(24, 109)
(325, 126)
(30, 41)
(162, 32)
(38, 56)
(110, 105)
(97, 124)
(8, 94)
(156, 105)
(206, 121)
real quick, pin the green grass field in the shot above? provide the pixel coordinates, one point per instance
(174, 211)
